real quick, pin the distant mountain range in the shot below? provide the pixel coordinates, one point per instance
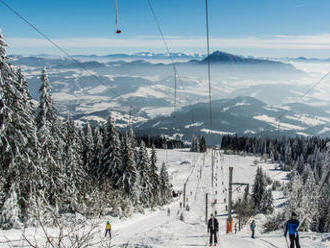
(241, 116)
(94, 88)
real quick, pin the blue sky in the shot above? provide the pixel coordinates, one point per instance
(249, 27)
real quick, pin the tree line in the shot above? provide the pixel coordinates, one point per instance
(308, 189)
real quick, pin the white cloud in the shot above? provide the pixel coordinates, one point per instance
(309, 42)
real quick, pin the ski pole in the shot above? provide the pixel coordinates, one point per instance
(287, 243)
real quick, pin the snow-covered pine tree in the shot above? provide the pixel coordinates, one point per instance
(18, 139)
(50, 144)
(300, 164)
(154, 177)
(88, 147)
(266, 204)
(11, 211)
(310, 202)
(76, 177)
(165, 189)
(143, 166)
(259, 188)
(110, 158)
(128, 181)
(195, 144)
(98, 147)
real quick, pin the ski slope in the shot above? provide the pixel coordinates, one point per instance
(157, 229)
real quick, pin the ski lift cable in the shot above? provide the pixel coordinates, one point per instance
(307, 92)
(77, 62)
(299, 100)
(53, 43)
(118, 31)
(167, 50)
(208, 60)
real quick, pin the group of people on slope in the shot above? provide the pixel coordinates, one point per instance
(291, 228)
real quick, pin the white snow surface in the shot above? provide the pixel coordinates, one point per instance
(272, 121)
(205, 130)
(308, 120)
(196, 124)
(156, 229)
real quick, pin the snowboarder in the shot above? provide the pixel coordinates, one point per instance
(253, 227)
(108, 229)
(291, 226)
(212, 228)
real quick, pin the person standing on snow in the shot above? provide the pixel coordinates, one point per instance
(291, 226)
(212, 228)
(253, 227)
(108, 229)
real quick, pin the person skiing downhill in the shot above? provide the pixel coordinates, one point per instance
(212, 228)
(291, 226)
(108, 229)
(253, 227)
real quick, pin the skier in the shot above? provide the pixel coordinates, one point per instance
(235, 227)
(168, 212)
(108, 229)
(253, 227)
(212, 228)
(291, 226)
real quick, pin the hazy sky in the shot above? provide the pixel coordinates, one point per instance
(249, 27)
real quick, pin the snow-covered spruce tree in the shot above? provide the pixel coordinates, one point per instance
(266, 204)
(259, 188)
(76, 178)
(165, 189)
(18, 139)
(50, 144)
(98, 147)
(11, 211)
(88, 147)
(154, 177)
(195, 144)
(128, 180)
(143, 166)
(310, 202)
(300, 164)
(47, 111)
(295, 195)
(110, 159)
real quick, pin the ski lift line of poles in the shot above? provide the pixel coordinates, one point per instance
(208, 60)
(167, 50)
(58, 47)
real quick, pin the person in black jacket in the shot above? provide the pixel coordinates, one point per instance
(291, 226)
(212, 228)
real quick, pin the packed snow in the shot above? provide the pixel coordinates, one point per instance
(282, 125)
(205, 130)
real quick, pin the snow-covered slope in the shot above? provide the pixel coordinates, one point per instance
(157, 229)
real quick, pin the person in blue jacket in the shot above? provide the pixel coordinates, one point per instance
(291, 227)
(253, 227)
